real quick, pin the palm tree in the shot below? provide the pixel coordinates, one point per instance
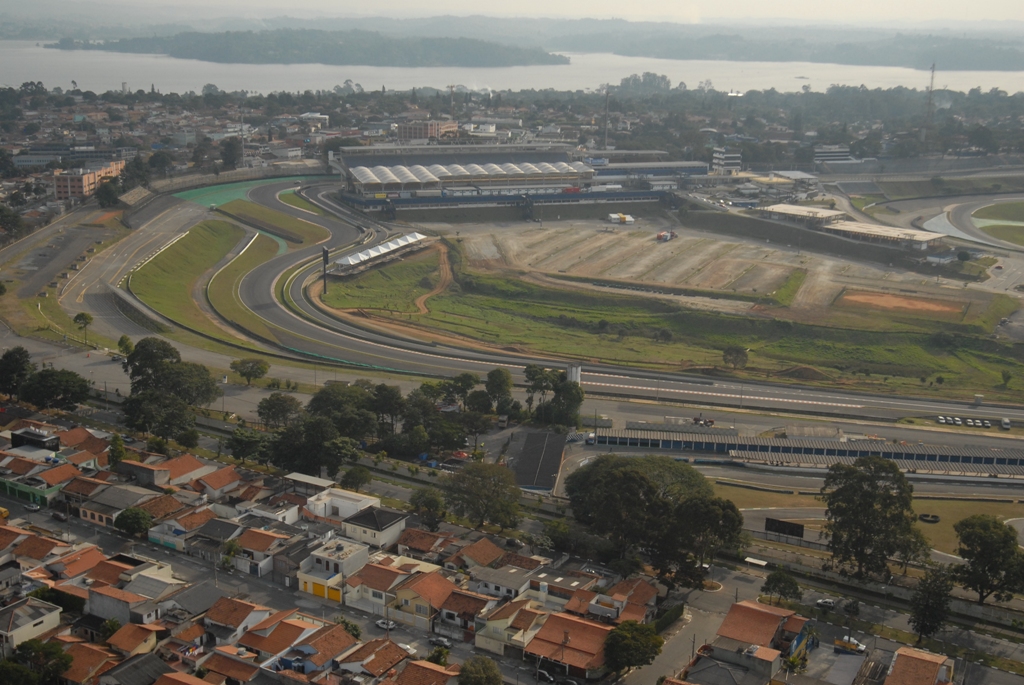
(83, 320)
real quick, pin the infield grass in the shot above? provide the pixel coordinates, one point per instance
(1007, 232)
(223, 288)
(297, 232)
(290, 198)
(1006, 211)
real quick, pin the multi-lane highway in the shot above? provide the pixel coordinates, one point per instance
(312, 332)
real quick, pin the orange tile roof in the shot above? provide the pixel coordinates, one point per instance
(73, 436)
(916, 667)
(466, 604)
(8, 536)
(259, 540)
(376, 577)
(636, 590)
(290, 498)
(179, 679)
(129, 637)
(426, 673)
(162, 506)
(181, 466)
(192, 633)
(275, 618)
(507, 610)
(69, 587)
(794, 624)
(281, 637)
(36, 547)
(107, 571)
(519, 561)
(377, 656)
(632, 612)
(214, 678)
(585, 649)
(432, 587)
(220, 478)
(77, 563)
(114, 593)
(196, 519)
(328, 642)
(88, 662)
(231, 612)
(525, 619)
(80, 457)
(422, 540)
(232, 668)
(580, 601)
(483, 552)
(753, 623)
(21, 467)
(94, 445)
(59, 474)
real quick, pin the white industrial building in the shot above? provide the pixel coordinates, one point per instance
(452, 177)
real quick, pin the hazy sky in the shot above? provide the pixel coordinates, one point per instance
(882, 13)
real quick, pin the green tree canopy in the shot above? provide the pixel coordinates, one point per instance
(868, 511)
(480, 670)
(134, 521)
(55, 389)
(46, 660)
(428, 503)
(246, 444)
(15, 368)
(994, 563)
(250, 368)
(483, 493)
(83, 320)
(782, 585)
(157, 412)
(107, 194)
(116, 452)
(929, 605)
(356, 477)
(498, 384)
(279, 410)
(632, 644)
(735, 356)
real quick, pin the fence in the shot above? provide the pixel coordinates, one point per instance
(788, 540)
(171, 185)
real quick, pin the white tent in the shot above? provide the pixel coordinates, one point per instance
(380, 250)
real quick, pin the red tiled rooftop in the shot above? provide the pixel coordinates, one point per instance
(220, 478)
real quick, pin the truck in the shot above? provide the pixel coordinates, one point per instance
(666, 236)
(849, 645)
(621, 219)
(503, 421)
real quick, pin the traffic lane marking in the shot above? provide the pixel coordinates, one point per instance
(744, 396)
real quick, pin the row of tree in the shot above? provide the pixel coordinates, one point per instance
(46, 388)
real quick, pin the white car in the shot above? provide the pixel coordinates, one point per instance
(408, 648)
(942, 419)
(970, 422)
(852, 643)
(826, 604)
(957, 421)
(385, 624)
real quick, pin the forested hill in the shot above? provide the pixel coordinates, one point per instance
(300, 46)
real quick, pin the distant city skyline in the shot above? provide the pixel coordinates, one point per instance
(881, 13)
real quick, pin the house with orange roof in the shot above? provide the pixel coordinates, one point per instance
(483, 552)
(458, 614)
(34, 481)
(615, 604)
(758, 637)
(25, 620)
(574, 645)
(81, 439)
(177, 529)
(217, 484)
(373, 588)
(917, 667)
(228, 619)
(175, 678)
(373, 659)
(423, 544)
(35, 551)
(510, 626)
(83, 459)
(324, 571)
(103, 508)
(279, 633)
(88, 663)
(162, 507)
(257, 550)
(420, 598)
(231, 668)
(76, 563)
(127, 607)
(161, 472)
(321, 651)
(426, 673)
(81, 489)
(134, 638)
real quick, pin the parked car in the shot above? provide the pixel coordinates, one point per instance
(408, 648)
(59, 515)
(942, 419)
(957, 421)
(385, 624)
(544, 677)
(1005, 424)
(828, 604)
(439, 641)
(987, 423)
(970, 422)
(32, 506)
(850, 644)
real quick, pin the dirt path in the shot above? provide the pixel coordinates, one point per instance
(442, 285)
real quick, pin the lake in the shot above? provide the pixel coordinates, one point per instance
(101, 71)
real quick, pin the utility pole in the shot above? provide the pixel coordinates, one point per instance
(931, 111)
(326, 261)
(451, 91)
(607, 95)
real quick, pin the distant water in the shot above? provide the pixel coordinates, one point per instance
(101, 71)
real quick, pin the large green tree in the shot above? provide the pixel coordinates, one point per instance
(83, 320)
(868, 511)
(632, 644)
(55, 389)
(107, 194)
(47, 660)
(278, 410)
(250, 368)
(782, 585)
(498, 384)
(929, 605)
(15, 368)
(116, 453)
(356, 477)
(480, 670)
(483, 493)
(246, 444)
(428, 503)
(134, 521)
(156, 412)
(994, 563)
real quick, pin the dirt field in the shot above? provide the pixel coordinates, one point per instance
(889, 301)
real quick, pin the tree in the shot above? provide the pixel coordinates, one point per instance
(483, 493)
(191, 382)
(480, 670)
(479, 401)
(188, 438)
(109, 627)
(157, 412)
(125, 345)
(15, 368)
(929, 605)
(46, 660)
(160, 161)
(498, 384)
(912, 548)
(439, 656)
(83, 320)
(1007, 377)
(782, 584)
(116, 452)
(278, 410)
(55, 389)
(250, 368)
(245, 444)
(994, 563)
(428, 503)
(868, 509)
(145, 364)
(134, 521)
(231, 152)
(356, 477)
(12, 673)
(735, 356)
(107, 194)
(230, 549)
(351, 628)
(632, 644)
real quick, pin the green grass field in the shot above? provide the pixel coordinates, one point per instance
(625, 329)
(290, 198)
(296, 231)
(938, 186)
(222, 194)
(223, 288)
(1006, 211)
(166, 283)
(1011, 234)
